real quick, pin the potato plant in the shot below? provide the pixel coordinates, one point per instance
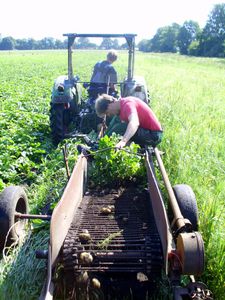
(114, 167)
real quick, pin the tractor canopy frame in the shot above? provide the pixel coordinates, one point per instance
(130, 38)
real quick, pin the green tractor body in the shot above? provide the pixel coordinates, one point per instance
(65, 106)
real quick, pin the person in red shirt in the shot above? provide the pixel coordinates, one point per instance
(133, 119)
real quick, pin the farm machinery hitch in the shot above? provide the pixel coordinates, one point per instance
(136, 238)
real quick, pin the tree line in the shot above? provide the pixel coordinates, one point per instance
(190, 39)
(187, 39)
(9, 43)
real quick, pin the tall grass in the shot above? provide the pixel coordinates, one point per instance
(188, 96)
(21, 273)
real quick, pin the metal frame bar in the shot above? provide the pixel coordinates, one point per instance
(130, 38)
(179, 219)
(159, 211)
(131, 44)
(100, 35)
(71, 40)
(29, 216)
(61, 219)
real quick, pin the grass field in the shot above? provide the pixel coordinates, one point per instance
(188, 96)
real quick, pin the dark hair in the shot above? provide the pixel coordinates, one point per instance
(102, 103)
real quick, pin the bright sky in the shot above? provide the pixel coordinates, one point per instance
(51, 18)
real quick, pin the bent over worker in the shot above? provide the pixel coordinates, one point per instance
(133, 119)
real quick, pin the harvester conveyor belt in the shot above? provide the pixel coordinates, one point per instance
(123, 240)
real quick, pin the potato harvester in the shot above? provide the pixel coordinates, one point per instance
(116, 243)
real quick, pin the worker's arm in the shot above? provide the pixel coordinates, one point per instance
(132, 127)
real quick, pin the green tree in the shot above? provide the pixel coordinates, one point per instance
(7, 43)
(21, 44)
(107, 43)
(46, 43)
(115, 44)
(124, 46)
(26, 44)
(212, 40)
(82, 43)
(59, 44)
(144, 45)
(187, 34)
(165, 39)
(31, 44)
(193, 48)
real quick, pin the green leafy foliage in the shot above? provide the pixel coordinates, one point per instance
(113, 167)
(21, 147)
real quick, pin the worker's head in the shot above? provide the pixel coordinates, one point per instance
(102, 104)
(112, 56)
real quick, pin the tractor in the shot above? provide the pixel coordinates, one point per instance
(70, 111)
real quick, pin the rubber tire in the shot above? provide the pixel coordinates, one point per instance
(60, 119)
(187, 203)
(12, 199)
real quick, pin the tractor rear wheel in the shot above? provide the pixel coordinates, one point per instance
(59, 121)
(187, 203)
(13, 200)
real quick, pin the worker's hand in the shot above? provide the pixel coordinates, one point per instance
(121, 144)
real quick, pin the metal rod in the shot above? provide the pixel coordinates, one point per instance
(27, 216)
(133, 52)
(107, 35)
(173, 201)
(70, 64)
(130, 67)
(66, 161)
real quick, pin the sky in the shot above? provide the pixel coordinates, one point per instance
(51, 18)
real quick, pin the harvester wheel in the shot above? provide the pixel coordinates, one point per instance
(190, 248)
(59, 121)
(13, 199)
(187, 203)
